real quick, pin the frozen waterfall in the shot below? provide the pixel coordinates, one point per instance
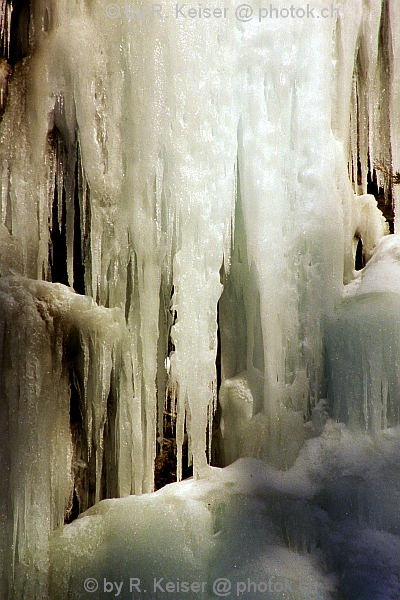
(185, 193)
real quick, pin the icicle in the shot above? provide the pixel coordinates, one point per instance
(6, 9)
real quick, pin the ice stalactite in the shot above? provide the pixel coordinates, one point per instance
(288, 228)
(53, 338)
(296, 121)
(5, 27)
(142, 220)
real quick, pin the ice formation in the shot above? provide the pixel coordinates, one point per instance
(327, 528)
(363, 345)
(200, 183)
(57, 345)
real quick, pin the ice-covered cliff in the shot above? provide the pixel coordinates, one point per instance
(202, 183)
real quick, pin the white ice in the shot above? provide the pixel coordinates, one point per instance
(217, 172)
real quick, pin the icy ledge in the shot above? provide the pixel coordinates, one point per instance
(327, 528)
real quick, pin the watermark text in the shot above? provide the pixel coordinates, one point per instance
(220, 588)
(242, 12)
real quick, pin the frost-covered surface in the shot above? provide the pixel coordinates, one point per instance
(327, 528)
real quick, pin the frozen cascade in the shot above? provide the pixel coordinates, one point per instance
(188, 173)
(51, 336)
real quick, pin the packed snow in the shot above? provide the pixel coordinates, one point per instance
(327, 528)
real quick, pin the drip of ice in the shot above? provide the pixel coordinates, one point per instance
(185, 175)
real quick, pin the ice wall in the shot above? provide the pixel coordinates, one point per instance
(155, 203)
(152, 163)
(146, 134)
